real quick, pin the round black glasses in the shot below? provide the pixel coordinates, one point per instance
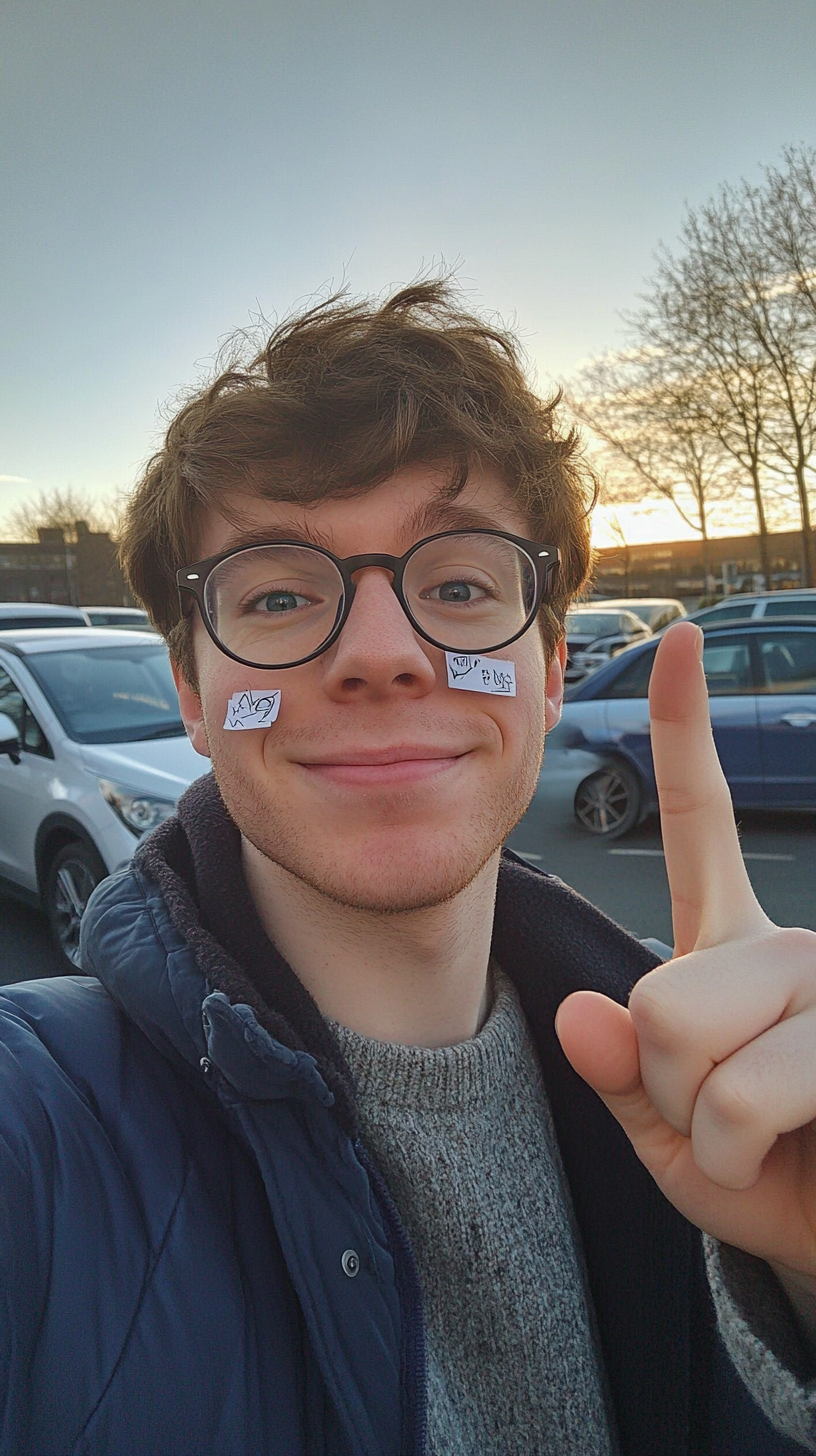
(280, 604)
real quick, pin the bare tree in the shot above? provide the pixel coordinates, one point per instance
(61, 509)
(789, 219)
(642, 407)
(728, 384)
(738, 304)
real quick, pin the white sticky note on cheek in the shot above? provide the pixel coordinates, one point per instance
(252, 709)
(481, 674)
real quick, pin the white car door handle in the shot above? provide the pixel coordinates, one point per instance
(798, 720)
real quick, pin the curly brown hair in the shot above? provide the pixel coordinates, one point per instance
(339, 398)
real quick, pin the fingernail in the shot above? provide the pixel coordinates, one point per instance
(700, 643)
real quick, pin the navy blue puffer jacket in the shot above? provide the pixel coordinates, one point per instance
(196, 1256)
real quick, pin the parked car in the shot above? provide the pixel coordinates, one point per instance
(594, 634)
(656, 612)
(14, 615)
(93, 754)
(796, 602)
(761, 678)
(128, 619)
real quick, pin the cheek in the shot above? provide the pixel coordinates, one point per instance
(531, 679)
(521, 719)
(239, 703)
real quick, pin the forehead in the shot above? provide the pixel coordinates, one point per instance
(412, 504)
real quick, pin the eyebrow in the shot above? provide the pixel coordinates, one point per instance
(433, 515)
(274, 536)
(446, 515)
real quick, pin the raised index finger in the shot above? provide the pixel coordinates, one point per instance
(712, 898)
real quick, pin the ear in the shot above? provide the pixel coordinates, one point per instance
(554, 691)
(191, 713)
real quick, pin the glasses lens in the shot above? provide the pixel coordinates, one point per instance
(470, 592)
(274, 605)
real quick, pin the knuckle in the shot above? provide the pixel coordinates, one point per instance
(730, 1099)
(675, 800)
(798, 946)
(657, 1010)
(690, 799)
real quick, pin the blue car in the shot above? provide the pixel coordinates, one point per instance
(762, 688)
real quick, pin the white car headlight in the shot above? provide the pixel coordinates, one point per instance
(139, 812)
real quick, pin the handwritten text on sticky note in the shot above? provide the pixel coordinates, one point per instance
(481, 674)
(252, 710)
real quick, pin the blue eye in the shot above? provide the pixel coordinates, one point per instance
(281, 601)
(456, 593)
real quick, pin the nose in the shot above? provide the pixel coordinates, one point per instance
(378, 654)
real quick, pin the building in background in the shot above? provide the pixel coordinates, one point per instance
(52, 569)
(678, 569)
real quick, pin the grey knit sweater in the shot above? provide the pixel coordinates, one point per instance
(464, 1138)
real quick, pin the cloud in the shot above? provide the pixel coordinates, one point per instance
(15, 480)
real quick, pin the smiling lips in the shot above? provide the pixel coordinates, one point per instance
(396, 765)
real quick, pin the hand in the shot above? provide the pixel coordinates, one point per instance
(711, 1071)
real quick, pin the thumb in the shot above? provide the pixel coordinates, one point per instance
(599, 1040)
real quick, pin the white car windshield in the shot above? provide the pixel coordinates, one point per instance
(595, 624)
(110, 694)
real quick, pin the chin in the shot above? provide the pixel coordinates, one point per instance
(391, 881)
(393, 873)
(421, 856)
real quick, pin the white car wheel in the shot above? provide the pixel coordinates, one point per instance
(72, 876)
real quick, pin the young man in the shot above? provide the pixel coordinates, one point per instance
(306, 1171)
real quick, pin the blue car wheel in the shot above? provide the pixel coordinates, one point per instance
(609, 802)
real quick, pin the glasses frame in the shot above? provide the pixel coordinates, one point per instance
(192, 580)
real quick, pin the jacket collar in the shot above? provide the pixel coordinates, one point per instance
(548, 939)
(195, 860)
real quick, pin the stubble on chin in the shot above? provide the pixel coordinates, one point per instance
(394, 868)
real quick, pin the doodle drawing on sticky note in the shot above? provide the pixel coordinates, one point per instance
(252, 710)
(481, 674)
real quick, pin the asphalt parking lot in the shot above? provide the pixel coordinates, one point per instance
(25, 945)
(626, 879)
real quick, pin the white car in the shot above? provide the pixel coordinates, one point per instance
(656, 612)
(126, 619)
(797, 602)
(596, 634)
(93, 754)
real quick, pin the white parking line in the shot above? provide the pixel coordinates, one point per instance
(659, 854)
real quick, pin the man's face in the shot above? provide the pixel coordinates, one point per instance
(378, 785)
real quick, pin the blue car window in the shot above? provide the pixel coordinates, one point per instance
(788, 662)
(728, 614)
(727, 666)
(801, 607)
(633, 679)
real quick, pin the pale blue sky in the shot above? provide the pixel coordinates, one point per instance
(168, 168)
